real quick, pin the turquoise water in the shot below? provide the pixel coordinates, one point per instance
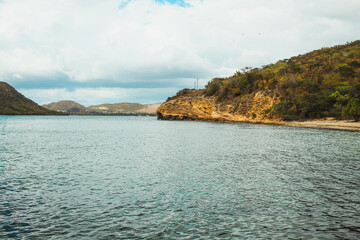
(138, 178)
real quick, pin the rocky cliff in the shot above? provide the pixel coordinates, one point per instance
(195, 105)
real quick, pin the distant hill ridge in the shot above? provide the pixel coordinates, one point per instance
(116, 108)
(14, 103)
(65, 106)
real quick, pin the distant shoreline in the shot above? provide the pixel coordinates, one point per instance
(67, 114)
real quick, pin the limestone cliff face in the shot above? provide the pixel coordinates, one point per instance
(194, 105)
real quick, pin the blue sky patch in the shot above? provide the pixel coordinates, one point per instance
(181, 3)
(122, 5)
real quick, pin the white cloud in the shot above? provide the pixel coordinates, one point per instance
(147, 41)
(27, 62)
(17, 76)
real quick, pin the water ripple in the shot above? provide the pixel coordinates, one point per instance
(138, 178)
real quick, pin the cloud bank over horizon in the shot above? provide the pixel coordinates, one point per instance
(146, 50)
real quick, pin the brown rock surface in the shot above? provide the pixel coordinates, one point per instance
(194, 105)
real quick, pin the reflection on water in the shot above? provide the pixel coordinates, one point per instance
(135, 177)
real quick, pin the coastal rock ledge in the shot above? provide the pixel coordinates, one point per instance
(195, 105)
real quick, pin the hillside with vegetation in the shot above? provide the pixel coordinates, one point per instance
(321, 84)
(14, 103)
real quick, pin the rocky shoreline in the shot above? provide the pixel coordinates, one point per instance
(194, 106)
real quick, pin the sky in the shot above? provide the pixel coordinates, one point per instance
(145, 51)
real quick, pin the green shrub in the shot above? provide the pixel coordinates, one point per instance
(212, 88)
(346, 71)
(352, 109)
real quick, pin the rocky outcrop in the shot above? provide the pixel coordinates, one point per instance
(194, 105)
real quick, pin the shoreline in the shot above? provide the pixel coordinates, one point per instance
(345, 125)
(327, 124)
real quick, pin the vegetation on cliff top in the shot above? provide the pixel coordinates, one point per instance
(14, 103)
(322, 83)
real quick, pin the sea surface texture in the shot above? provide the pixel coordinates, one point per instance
(85, 177)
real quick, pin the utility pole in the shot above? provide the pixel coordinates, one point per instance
(197, 83)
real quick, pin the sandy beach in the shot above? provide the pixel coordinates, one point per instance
(328, 124)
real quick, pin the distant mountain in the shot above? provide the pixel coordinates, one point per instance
(117, 107)
(125, 108)
(66, 106)
(72, 107)
(150, 108)
(14, 103)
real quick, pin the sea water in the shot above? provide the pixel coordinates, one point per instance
(98, 177)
